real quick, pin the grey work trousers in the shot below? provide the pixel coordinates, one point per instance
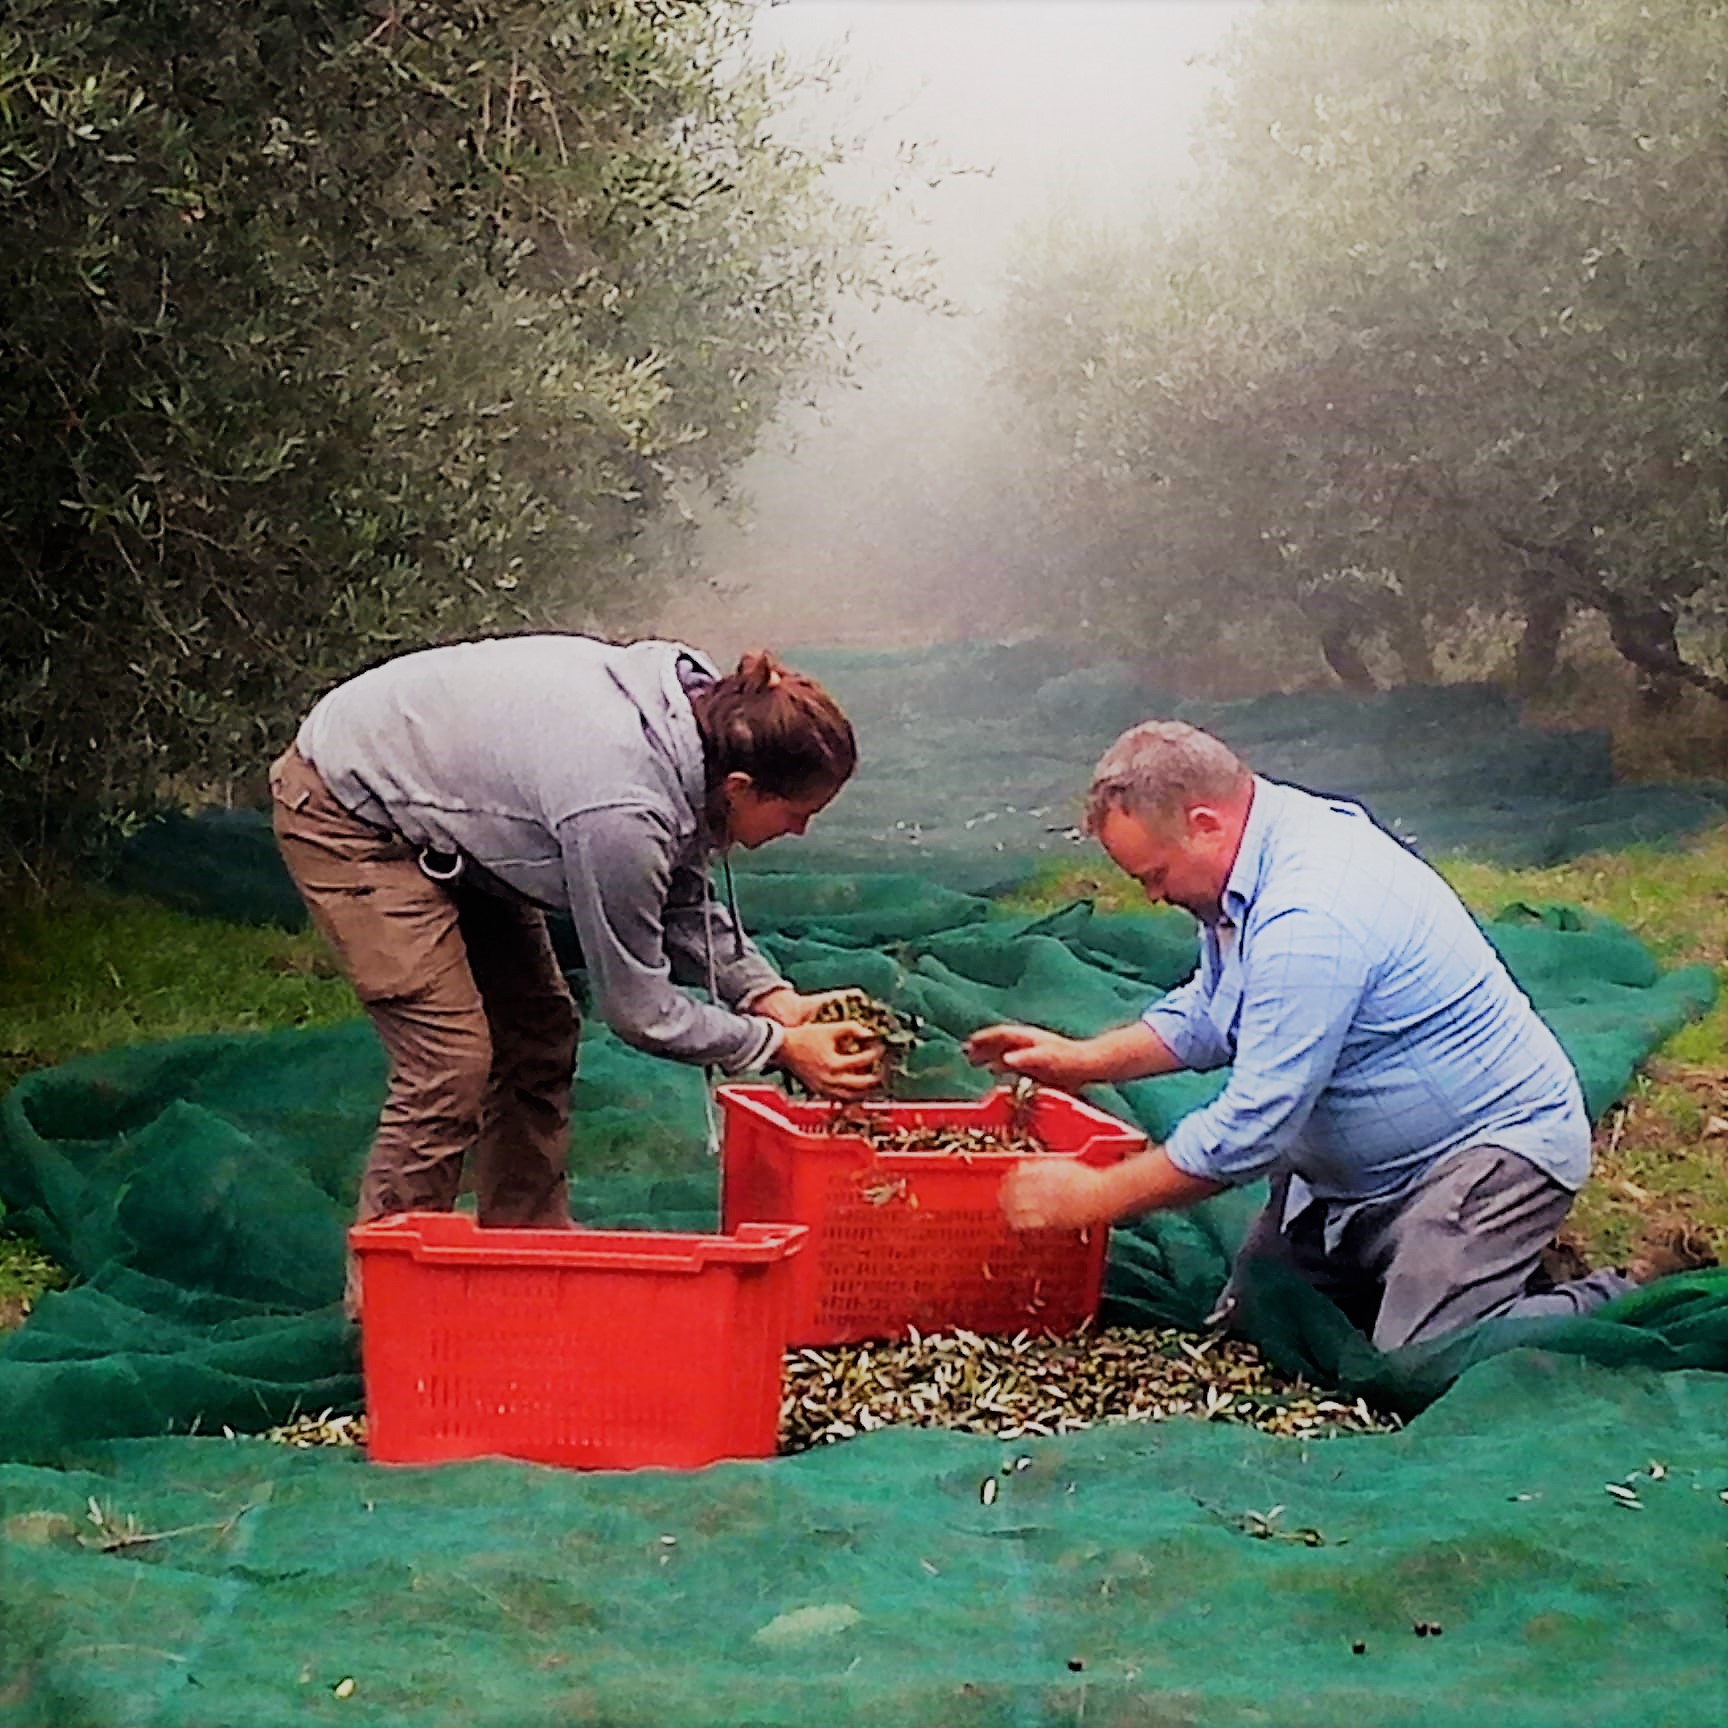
(1462, 1244)
(473, 1012)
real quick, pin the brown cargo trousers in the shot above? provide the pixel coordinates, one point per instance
(474, 1014)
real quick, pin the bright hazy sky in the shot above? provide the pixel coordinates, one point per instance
(1077, 104)
(866, 511)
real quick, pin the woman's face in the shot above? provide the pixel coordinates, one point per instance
(754, 817)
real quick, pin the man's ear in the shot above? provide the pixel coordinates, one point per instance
(737, 782)
(1205, 822)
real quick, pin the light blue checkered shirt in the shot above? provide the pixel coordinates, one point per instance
(1369, 1026)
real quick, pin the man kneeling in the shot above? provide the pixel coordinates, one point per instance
(1423, 1130)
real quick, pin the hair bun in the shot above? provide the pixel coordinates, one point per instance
(759, 671)
(778, 726)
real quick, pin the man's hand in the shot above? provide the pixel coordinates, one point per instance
(834, 1059)
(1131, 1052)
(790, 1008)
(1055, 1194)
(1059, 1194)
(1046, 1057)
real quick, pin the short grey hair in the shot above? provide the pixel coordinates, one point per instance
(1160, 768)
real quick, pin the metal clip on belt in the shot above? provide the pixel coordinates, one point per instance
(440, 866)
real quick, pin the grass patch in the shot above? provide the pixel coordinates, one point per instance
(25, 1273)
(89, 970)
(1662, 1151)
(1675, 901)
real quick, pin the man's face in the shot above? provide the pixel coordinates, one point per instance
(754, 817)
(1183, 861)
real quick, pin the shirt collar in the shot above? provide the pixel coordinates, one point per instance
(1243, 882)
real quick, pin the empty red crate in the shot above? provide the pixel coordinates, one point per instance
(902, 1239)
(600, 1349)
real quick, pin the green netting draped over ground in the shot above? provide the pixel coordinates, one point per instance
(975, 759)
(1182, 1573)
(201, 1189)
(867, 1584)
(976, 756)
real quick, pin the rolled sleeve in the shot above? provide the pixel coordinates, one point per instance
(1300, 991)
(769, 1053)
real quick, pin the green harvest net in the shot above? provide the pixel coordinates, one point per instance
(1195, 1572)
(975, 760)
(867, 1584)
(201, 1187)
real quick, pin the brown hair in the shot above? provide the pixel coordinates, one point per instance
(779, 727)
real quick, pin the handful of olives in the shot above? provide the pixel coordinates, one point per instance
(898, 1032)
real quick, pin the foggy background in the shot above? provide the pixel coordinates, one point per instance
(878, 513)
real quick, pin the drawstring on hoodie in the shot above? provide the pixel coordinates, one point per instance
(709, 1082)
(709, 1078)
(732, 907)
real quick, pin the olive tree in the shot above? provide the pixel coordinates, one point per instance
(328, 329)
(1445, 332)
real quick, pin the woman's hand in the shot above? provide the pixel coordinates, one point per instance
(789, 1008)
(1046, 1057)
(836, 1059)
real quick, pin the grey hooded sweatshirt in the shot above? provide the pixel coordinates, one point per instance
(571, 771)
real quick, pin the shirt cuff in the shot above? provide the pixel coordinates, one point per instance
(1188, 1153)
(773, 1036)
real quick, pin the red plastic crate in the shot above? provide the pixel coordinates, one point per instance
(915, 1238)
(598, 1349)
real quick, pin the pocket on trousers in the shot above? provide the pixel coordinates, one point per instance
(394, 932)
(1466, 1191)
(290, 797)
